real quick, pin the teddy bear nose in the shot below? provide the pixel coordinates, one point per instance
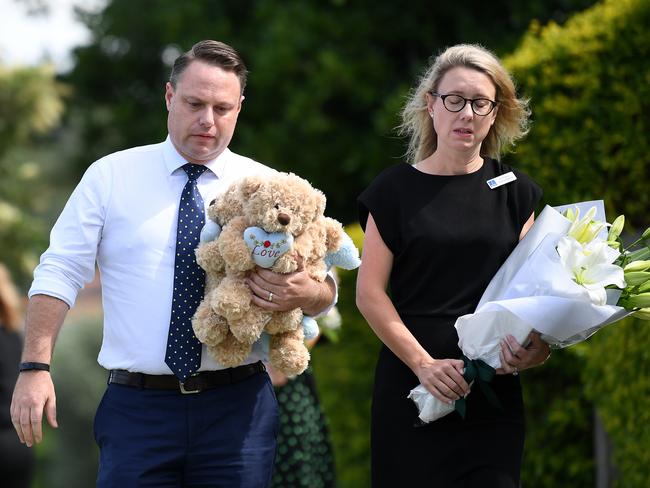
(283, 218)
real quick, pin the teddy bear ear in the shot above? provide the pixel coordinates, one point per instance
(334, 232)
(320, 202)
(250, 185)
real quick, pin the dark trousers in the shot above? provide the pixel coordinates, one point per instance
(223, 437)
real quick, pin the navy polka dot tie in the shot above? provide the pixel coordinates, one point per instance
(183, 354)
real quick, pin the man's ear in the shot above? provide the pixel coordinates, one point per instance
(169, 94)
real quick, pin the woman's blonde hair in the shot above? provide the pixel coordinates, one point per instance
(9, 301)
(512, 113)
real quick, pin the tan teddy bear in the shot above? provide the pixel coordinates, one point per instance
(267, 222)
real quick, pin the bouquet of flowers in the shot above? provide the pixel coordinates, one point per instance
(566, 279)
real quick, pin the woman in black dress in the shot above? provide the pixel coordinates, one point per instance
(436, 233)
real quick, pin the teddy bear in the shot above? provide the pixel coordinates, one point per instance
(274, 222)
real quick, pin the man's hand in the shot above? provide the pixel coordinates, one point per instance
(282, 292)
(34, 392)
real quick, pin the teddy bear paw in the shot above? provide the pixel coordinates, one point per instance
(284, 321)
(287, 353)
(249, 328)
(209, 327)
(230, 352)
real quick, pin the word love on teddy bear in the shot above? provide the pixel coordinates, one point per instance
(265, 247)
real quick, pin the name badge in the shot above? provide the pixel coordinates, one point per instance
(501, 180)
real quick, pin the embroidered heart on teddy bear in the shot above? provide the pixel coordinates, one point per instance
(267, 247)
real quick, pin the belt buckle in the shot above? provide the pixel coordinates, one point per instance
(188, 392)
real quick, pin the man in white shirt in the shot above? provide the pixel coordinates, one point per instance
(123, 216)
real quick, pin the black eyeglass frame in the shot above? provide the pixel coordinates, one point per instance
(465, 100)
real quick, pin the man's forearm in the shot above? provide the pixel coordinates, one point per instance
(44, 318)
(323, 297)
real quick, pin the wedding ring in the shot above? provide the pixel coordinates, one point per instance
(270, 298)
(515, 372)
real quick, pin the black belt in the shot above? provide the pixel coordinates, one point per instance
(193, 384)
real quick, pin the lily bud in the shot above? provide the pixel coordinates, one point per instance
(616, 228)
(634, 278)
(637, 266)
(642, 300)
(644, 287)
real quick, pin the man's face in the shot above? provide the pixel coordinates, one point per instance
(203, 110)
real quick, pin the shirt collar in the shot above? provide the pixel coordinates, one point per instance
(173, 160)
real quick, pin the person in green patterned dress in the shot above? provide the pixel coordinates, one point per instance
(304, 456)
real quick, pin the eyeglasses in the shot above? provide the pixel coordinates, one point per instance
(456, 103)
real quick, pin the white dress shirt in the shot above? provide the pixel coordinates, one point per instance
(123, 216)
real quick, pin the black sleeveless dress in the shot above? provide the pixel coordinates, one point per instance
(448, 235)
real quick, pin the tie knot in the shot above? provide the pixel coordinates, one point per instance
(194, 170)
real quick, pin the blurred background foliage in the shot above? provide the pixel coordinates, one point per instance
(588, 81)
(617, 379)
(327, 79)
(31, 106)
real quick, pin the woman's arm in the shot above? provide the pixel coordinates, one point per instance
(529, 223)
(442, 377)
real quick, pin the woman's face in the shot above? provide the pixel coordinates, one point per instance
(462, 131)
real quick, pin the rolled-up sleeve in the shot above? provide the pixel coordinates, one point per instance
(69, 262)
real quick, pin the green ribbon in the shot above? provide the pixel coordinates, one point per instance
(482, 373)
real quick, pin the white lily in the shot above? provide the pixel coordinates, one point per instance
(591, 266)
(584, 230)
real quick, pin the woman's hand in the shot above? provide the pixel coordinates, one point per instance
(443, 378)
(515, 357)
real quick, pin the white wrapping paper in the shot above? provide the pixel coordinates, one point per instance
(531, 291)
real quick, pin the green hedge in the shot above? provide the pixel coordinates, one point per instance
(617, 378)
(588, 84)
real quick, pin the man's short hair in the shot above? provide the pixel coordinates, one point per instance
(214, 53)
